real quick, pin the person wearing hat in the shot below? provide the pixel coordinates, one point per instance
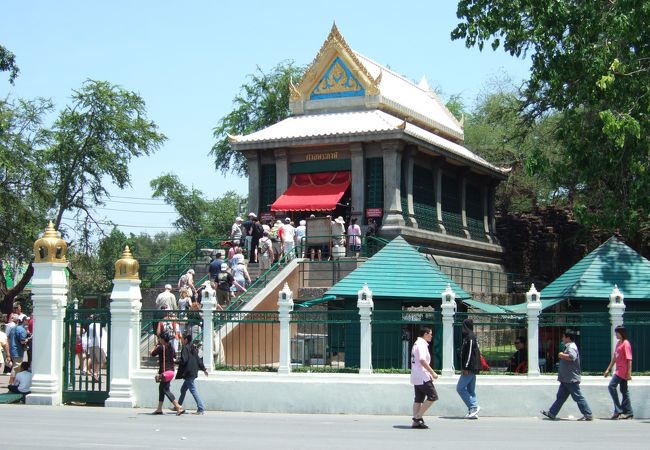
(166, 298)
(301, 232)
(187, 281)
(265, 252)
(236, 231)
(274, 235)
(338, 232)
(288, 236)
(225, 282)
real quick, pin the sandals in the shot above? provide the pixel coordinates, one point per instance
(180, 412)
(157, 413)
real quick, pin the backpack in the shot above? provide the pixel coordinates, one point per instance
(183, 281)
(274, 233)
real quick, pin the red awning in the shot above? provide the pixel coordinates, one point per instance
(313, 192)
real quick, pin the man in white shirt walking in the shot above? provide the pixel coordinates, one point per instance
(422, 376)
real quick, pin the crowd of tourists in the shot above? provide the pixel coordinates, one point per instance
(16, 350)
(267, 241)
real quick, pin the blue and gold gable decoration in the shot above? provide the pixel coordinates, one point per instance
(336, 72)
(338, 81)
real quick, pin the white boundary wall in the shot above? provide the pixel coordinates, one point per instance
(502, 396)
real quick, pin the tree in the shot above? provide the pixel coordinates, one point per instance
(25, 193)
(66, 168)
(493, 130)
(263, 101)
(591, 66)
(95, 139)
(198, 216)
(8, 63)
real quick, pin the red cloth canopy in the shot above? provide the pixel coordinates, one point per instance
(313, 192)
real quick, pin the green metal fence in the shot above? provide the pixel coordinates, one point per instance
(637, 325)
(593, 339)
(325, 339)
(495, 333)
(247, 340)
(395, 332)
(86, 355)
(175, 322)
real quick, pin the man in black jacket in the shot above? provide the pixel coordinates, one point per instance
(470, 360)
(188, 370)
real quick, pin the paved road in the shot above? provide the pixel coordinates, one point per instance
(92, 427)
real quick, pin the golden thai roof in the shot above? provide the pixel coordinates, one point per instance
(127, 267)
(50, 247)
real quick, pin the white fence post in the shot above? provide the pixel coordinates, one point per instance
(533, 309)
(125, 331)
(208, 306)
(448, 307)
(49, 291)
(285, 306)
(365, 305)
(616, 310)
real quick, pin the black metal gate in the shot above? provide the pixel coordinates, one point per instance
(86, 351)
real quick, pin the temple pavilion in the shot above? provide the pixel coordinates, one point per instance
(364, 142)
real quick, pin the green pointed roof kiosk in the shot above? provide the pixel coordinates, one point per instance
(398, 276)
(588, 285)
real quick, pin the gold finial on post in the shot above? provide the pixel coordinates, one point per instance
(127, 267)
(50, 247)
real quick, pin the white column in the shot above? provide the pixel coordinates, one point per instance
(448, 307)
(125, 341)
(533, 309)
(285, 306)
(208, 306)
(616, 310)
(365, 305)
(49, 296)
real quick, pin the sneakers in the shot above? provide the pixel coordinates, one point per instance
(199, 413)
(473, 413)
(615, 416)
(586, 419)
(626, 416)
(419, 424)
(548, 415)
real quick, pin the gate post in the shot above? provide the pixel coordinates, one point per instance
(285, 306)
(616, 310)
(125, 331)
(49, 294)
(365, 305)
(208, 305)
(533, 309)
(448, 307)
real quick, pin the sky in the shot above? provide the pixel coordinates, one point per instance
(188, 60)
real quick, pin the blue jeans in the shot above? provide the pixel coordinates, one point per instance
(624, 407)
(189, 384)
(466, 388)
(563, 393)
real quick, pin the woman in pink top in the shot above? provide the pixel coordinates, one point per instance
(623, 373)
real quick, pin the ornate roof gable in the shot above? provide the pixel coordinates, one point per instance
(335, 72)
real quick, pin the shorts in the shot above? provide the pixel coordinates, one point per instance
(425, 390)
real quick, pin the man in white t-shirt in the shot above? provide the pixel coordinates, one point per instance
(422, 376)
(288, 233)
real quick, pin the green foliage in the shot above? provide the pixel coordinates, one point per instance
(8, 63)
(94, 140)
(24, 191)
(198, 216)
(45, 172)
(263, 101)
(493, 130)
(590, 68)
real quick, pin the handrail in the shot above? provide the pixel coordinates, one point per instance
(263, 278)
